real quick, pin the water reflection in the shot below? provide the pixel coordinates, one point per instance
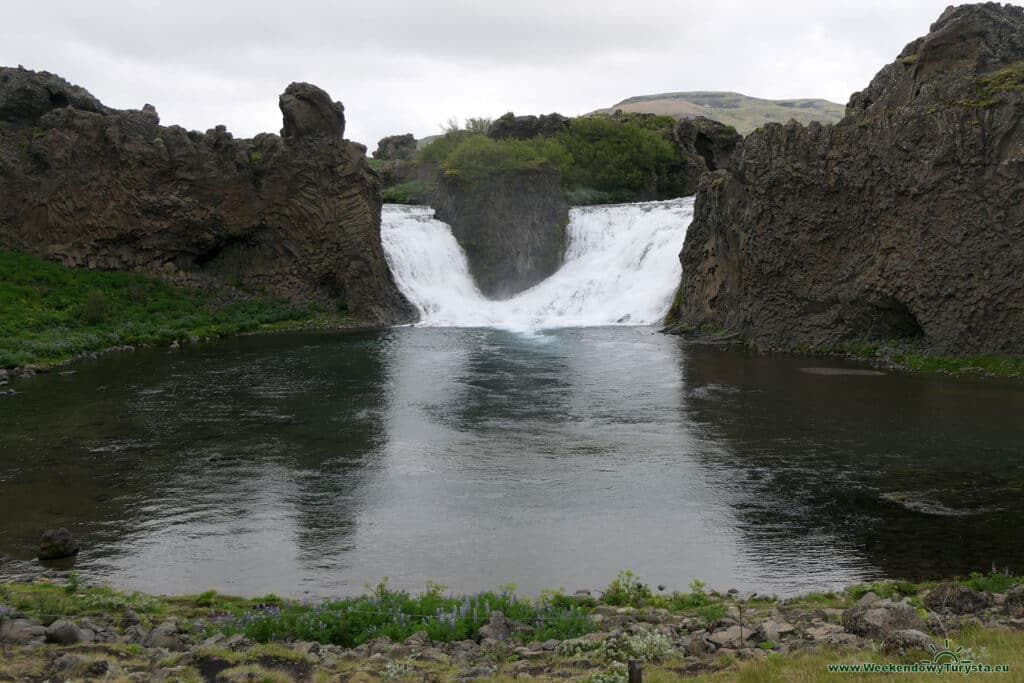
(316, 463)
(904, 476)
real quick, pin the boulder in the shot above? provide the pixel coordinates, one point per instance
(63, 632)
(165, 635)
(418, 639)
(775, 629)
(878, 619)
(1015, 600)
(735, 637)
(900, 643)
(67, 662)
(20, 630)
(309, 111)
(57, 543)
(499, 628)
(396, 148)
(952, 598)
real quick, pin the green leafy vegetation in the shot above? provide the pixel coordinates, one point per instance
(405, 193)
(902, 355)
(1008, 79)
(275, 622)
(50, 313)
(892, 590)
(626, 589)
(993, 582)
(992, 86)
(601, 158)
(49, 602)
(398, 615)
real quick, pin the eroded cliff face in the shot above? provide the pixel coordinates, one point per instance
(296, 217)
(512, 226)
(903, 221)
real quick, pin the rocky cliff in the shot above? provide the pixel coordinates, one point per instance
(903, 221)
(510, 224)
(296, 216)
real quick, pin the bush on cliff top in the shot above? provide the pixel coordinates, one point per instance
(50, 313)
(601, 158)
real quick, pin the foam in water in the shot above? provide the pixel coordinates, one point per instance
(621, 268)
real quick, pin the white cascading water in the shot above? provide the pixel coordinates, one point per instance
(621, 268)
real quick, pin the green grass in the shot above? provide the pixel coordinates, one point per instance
(988, 646)
(992, 86)
(1008, 79)
(50, 313)
(49, 602)
(902, 356)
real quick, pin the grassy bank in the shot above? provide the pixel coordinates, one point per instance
(895, 354)
(901, 356)
(389, 635)
(50, 313)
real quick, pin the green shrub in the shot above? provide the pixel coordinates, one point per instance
(404, 193)
(712, 612)
(95, 307)
(692, 600)
(616, 156)
(478, 157)
(398, 615)
(603, 159)
(993, 582)
(626, 589)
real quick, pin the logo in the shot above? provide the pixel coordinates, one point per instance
(947, 656)
(947, 660)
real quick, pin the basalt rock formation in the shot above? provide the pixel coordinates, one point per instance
(297, 217)
(512, 226)
(903, 221)
(396, 148)
(524, 127)
(704, 145)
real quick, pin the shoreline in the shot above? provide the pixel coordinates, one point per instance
(30, 370)
(71, 630)
(878, 355)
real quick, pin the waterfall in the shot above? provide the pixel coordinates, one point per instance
(621, 268)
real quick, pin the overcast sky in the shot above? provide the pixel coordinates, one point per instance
(410, 66)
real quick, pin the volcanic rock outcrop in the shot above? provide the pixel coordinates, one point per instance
(396, 148)
(512, 226)
(904, 221)
(297, 217)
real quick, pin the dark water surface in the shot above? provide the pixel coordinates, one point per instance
(316, 463)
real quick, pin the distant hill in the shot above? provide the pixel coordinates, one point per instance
(742, 112)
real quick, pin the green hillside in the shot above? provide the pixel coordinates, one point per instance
(742, 112)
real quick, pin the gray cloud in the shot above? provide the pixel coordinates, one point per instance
(404, 66)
